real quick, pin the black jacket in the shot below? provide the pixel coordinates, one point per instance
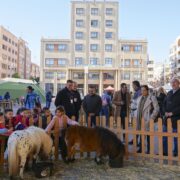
(77, 101)
(65, 98)
(161, 98)
(92, 104)
(172, 104)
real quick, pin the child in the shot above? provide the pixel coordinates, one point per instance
(21, 120)
(3, 129)
(8, 118)
(46, 117)
(62, 119)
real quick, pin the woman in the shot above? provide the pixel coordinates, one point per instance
(161, 95)
(147, 109)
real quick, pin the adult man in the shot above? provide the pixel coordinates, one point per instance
(48, 99)
(121, 100)
(92, 105)
(172, 110)
(65, 98)
(77, 100)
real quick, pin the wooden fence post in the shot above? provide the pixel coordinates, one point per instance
(143, 130)
(97, 121)
(134, 138)
(40, 121)
(89, 121)
(151, 141)
(178, 132)
(111, 122)
(126, 136)
(160, 141)
(31, 121)
(56, 138)
(170, 144)
(103, 121)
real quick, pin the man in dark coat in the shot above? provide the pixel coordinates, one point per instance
(77, 100)
(92, 105)
(172, 110)
(65, 98)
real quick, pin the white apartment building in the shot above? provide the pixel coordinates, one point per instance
(150, 67)
(94, 55)
(174, 57)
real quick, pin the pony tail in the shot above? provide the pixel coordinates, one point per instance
(13, 158)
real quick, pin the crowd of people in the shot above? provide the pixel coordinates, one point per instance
(143, 104)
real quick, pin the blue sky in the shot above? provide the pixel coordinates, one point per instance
(156, 20)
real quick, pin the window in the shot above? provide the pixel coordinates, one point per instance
(125, 48)
(79, 35)
(61, 75)
(94, 47)
(108, 47)
(93, 75)
(138, 48)
(62, 62)
(150, 69)
(125, 75)
(137, 76)
(49, 62)
(12, 42)
(109, 35)
(109, 23)
(94, 11)
(136, 62)
(94, 23)
(49, 75)
(78, 75)
(5, 38)
(126, 63)
(78, 61)
(9, 49)
(50, 47)
(79, 23)
(4, 47)
(108, 61)
(108, 76)
(62, 47)
(79, 11)
(78, 47)
(109, 11)
(49, 86)
(94, 35)
(9, 40)
(93, 61)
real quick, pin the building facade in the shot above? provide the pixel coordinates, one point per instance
(35, 71)
(174, 57)
(94, 55)
(8, 53)
(15, 56)
(150, 67)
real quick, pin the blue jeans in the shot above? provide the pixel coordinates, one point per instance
(48, 104)
(165, 142)
(105, 112)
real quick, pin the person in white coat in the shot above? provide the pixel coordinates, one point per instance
(147, 109)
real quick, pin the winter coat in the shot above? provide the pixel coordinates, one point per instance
(92, 104)
(150, 111)
(116, 103)
(172, 104)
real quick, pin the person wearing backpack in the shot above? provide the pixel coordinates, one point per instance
(106, 103)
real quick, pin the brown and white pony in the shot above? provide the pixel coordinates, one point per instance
(28, 143)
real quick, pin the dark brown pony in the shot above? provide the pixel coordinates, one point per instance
(103, 141)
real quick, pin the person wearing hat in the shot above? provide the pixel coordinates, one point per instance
(31, 98)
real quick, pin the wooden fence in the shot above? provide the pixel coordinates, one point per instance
(155, 132)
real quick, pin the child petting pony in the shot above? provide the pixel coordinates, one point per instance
(61, 120)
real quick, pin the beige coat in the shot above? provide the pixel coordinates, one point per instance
(150, 110)
(116, 103)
